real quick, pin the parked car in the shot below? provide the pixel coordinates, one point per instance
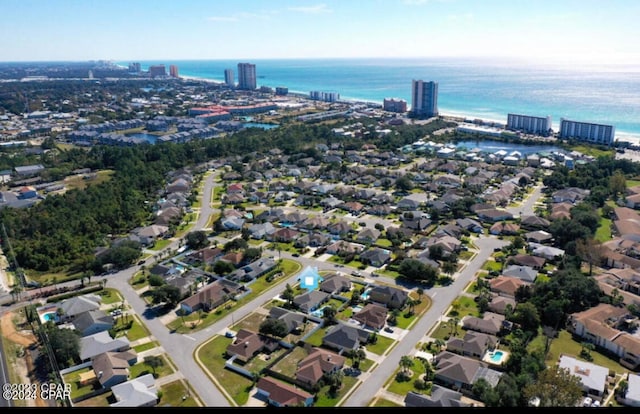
(356, 273)
(388, 329)
(229, 334)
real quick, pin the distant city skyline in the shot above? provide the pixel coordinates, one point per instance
(580, 31)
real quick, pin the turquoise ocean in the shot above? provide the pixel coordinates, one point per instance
(475, 88)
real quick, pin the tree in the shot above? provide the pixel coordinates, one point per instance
(618, 183)
(168, 294)
(156, 280)
(273, 326)
(334, 381)
(449, 268)
(65, 343)
(357, 355)
(197, 239)
(153, 361)
(222, 267)
(406, 362)
(526, 315)
(555, 387)
(404, 183)
(416, 270)
(420, 292)
(288, 295)
(590, 250)
(329, 315)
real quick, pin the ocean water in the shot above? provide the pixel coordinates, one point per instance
(477, 88)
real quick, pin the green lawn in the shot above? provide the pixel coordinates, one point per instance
(110, 295)
(324, 400)
(384, 243)
(315, 339)
(160, 244)
(146, 346)
(603, 233)
(463, 306)
(139, 280)
(211, 359)
(76, 389)
(491, 265)
(591, 150)
(289, 364)
(465, 255)
(381, 402)
(141, 368)
(381, 346)
(402, 388)
(176, 394)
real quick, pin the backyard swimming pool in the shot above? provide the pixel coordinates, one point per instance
(496, 357)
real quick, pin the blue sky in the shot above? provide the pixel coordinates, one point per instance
(119, 30)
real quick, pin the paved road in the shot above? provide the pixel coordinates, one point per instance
(442, 297)
(527, 208)
(4, 376)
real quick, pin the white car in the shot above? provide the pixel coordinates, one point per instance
(587, 402)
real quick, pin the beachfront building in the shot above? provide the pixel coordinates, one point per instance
(586, 131)
(324, 96)
(173, 71)
(247, 76)
(134, 67)
(424, 98)
(394, 105)
(228, 77)
(282, 90)
(530, 124)
(157, 70)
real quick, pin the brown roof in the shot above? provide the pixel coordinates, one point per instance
(282, 393)
(372, 315)
(247, 343)
(506, 284)
(317, 363)
(527, 260)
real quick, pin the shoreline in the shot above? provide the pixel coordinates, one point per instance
(621, 136)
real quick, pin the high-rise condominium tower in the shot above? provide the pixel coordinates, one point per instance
(424, 98)
(247, 76)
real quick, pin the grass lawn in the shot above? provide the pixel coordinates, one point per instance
(463, 306)
(289, 364)
(565, 344)
(211, 358)
(160, 244)
(490, 265)
(384, 243)
(173, 393)
(381, 346)
(110, 295)
(442, 331)
(146, 346)
(465, 255)
(402, 388)
(603, 233)
(77, 182)
(251, 322)
(381, 402)
(141, 368)
(389, 273)
(137, 331)
(324, 400)
(78, 390)
(316, 338)
(593, 151)
(138, 281)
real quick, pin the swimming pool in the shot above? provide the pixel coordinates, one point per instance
(318, 312)
(496, 356)
(49, 316)
(365, 294)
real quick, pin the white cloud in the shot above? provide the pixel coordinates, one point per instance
(317, 9)
(241, 16)
(466, 17)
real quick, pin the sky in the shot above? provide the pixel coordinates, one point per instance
(589, 31)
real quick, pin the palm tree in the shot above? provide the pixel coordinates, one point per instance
(420, 292)
(453, 322)
(406, 362)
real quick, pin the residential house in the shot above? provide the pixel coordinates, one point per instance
(548, 252)
(283, 235)
(534, 222)
(311, 301)
(593, 377)
(470, 225)
(525, 273)
(335, 284)
(318, 363)
(493, 215)
(534, 262)
(292, 320)
(538, 236)
(206, 256)
(281, 394)
(261, 230)
(98, 343)
(344, 247)
(345, 337)
(149, 234)
(627, 223)
(112, 368)
(372, 316)
(232, 223)
(341, 228)
(409, 203)
(460, 372)
(368, 235)
(473, 344)
(440, 397)
(76, 305)
(631, 397)
(391, 297)
(500, 304)
(376, 256)
(138, 392)
(247, 344)
(572, 195)
(92, 321)
(491, 323)
(211, 296)
(235, 258)
(506, 285)
(506, 229)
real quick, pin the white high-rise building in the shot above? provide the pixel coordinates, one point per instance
(229, 79)
(586, 131)
(424, 98)
(247, 76)
(530, 124)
